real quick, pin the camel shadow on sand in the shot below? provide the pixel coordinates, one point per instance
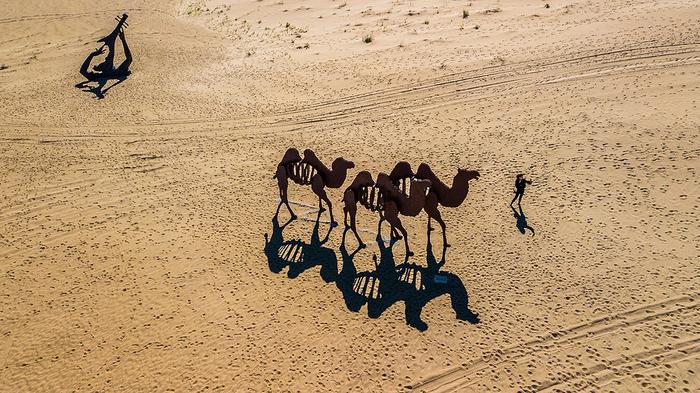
(413, 284)
(378, 289)
(298, 255)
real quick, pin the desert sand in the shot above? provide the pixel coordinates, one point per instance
(133, 228)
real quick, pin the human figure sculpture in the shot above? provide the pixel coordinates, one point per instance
(310, 171)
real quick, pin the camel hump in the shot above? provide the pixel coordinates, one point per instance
(309, 153)
(311, 159)
(424, 171)
(402, 169)
(363, 178)
(291, 155)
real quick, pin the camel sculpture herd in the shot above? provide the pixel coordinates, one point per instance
(400, 193)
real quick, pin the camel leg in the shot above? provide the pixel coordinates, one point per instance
(391, 212)
(395, 234)
(283, 184)
(435, 213)
(379, 226)
(318, 188)
(429, 229)
(431, 207)
(353, 226)
(330, 208)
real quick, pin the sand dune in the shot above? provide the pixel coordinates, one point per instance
(133, 251)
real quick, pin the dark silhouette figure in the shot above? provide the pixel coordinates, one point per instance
(106, 71)
(520, 183)
(310, 171)
(413, 284)
(521, 221)
(298, 255)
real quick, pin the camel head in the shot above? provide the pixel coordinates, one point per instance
(468, 174)
(291, 155)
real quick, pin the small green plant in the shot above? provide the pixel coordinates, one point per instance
(367, 38)
(465, 14)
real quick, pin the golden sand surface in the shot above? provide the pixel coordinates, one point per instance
(133, 228)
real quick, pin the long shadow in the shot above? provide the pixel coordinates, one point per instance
(521, 221)
(413, 284)
(298, 255)
(97, 87)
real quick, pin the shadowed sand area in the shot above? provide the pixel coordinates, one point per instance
(133, 254)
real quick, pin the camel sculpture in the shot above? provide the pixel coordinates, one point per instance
(439, 193)
(384, 197)
(310, 171)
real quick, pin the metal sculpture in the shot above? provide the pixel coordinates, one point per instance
(310, 171)
(439, 193)
(106, 69)
(385, 198)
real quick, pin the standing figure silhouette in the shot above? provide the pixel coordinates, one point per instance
(520, 183)
(521, 221)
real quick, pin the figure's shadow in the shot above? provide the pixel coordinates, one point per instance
(521, 221)
(413, 284)
(97, 87)
(298, 255)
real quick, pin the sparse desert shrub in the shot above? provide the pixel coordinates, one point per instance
(4, 66)
(492, 11)
(465, 14)
(426, 22)
(476, 27)
(367, 38)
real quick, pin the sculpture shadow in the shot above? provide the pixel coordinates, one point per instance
(413, 284)
(97, 87)
(300, 256)
(521, 221)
